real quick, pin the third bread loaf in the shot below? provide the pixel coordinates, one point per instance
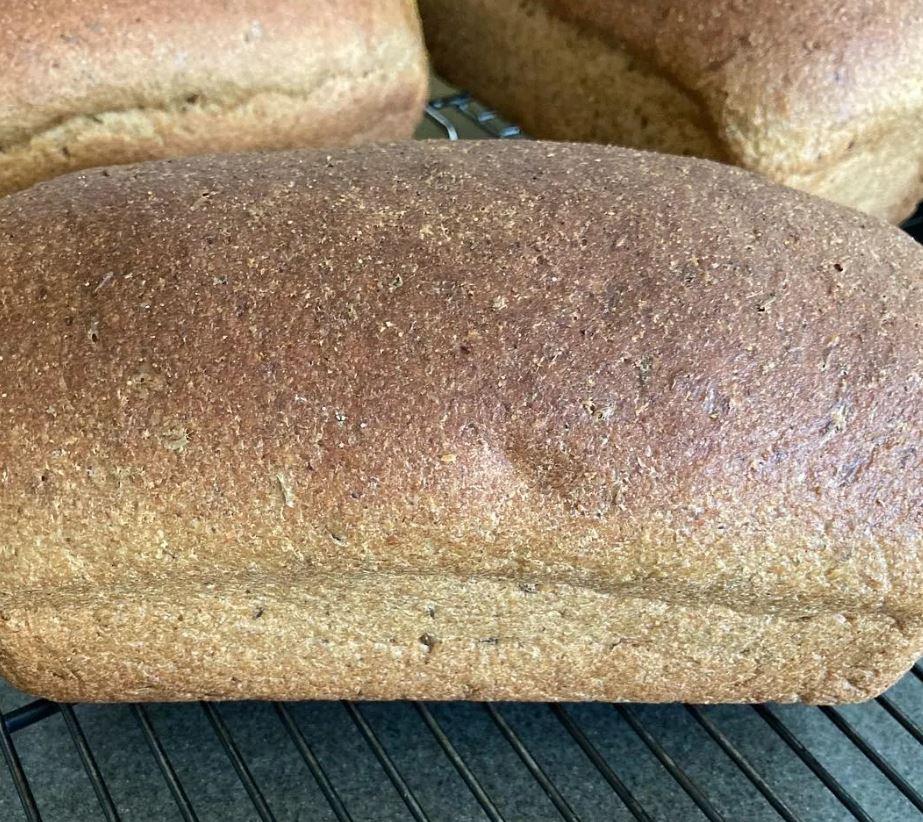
(823, 97)
(503, 421)
(87, 84)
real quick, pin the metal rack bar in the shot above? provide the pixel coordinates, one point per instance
(237, 760)
(845, 798)
(694, 792)
(29, 714)
(384, 759)
(601, 765)
(163, 762)
(14, 764)
(465, 772)
(918, 671)
(529, 761)
(312, 763)
(486, 119)
(723, 742)
(897, 713)
(89, 764)
(447, 125)
(873, 756)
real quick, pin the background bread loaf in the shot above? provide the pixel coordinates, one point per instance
(91, 84)
(824, 98)
(505, 421)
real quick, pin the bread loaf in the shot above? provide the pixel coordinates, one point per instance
(502, 421)
(88, 84)
(823, 97)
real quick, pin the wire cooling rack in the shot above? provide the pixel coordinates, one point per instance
(463, 761)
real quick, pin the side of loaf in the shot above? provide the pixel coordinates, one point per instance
(496, 421)
(825, 99)
(89, 84)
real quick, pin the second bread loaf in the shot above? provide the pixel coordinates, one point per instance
(93, 84)
(823, 97)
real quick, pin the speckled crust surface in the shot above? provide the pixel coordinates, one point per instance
(91, 84)
(826, 97)
(491, 420)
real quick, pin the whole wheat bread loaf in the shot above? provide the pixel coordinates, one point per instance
(502, 421)
(825, 97)
(88, 84)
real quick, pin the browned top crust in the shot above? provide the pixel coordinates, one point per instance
(576, 363)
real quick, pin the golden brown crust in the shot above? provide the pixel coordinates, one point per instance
(827, 98)
(433, 636)
(89, 84)
(665, 389)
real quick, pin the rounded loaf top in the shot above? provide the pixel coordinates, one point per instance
(492, 358)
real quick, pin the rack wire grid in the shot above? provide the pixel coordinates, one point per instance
(464, 761)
